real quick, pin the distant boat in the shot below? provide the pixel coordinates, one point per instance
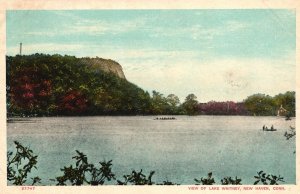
(266, 128)
(269, 129)
(165, 118)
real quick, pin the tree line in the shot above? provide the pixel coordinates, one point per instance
(50, 85)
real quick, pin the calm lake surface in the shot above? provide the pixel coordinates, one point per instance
(177, 150)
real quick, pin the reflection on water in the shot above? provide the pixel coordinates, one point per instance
(178, 150)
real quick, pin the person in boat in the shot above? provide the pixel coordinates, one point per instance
(272, 127)
(264, 127)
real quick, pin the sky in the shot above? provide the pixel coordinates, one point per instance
(215, 54)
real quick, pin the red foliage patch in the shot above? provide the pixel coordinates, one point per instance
(28, 90)
(73, 102)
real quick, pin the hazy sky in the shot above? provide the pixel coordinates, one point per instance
(215, 54)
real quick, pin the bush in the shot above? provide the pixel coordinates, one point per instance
(267, 179)
(85, 173)
(205, 181)
(231, 181)
(20, 164)
(137, 178)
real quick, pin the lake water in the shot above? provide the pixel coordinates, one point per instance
(177, 150)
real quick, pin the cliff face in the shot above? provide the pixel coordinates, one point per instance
(106, 65)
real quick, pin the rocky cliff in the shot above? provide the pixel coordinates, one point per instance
(106, 65)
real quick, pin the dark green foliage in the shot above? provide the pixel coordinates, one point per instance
(265, 105)
(137, 178)
(205, 181)
(159, 104)
(85, 173)
(267, 179)
(173, 104)
(290, 134)
(231, 181)
(75, 175)
(190, 105)
(20, 164)
(288, 101)
(167, 183)
(260, 105)
(36, 180)
(98, 176)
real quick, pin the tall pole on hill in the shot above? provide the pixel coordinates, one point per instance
(20, 48)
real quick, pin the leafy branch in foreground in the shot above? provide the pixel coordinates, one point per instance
(205, 181)
(291, 133)
(167, 183)
(137, 178)
(267, 179)
(210, 180)
(85, 173)
(20, 164)
(231, 181)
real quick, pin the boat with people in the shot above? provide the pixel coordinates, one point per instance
(265, 128)
(165, 118)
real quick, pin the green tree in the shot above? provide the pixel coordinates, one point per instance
(260, 105)
(173, 102)
(190, 104)
(158, 103)
(287, 100)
